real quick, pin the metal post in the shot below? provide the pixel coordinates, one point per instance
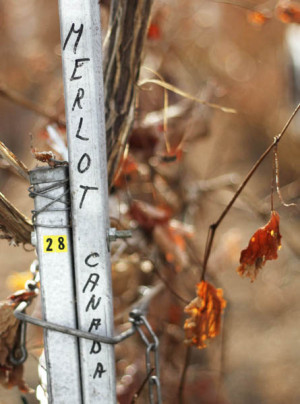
(54, 248)
(84, 98)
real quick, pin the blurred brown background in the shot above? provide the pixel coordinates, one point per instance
(214, 51)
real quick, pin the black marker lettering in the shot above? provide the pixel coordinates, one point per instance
(93, 279)
(86, 188)
(86, 165)
(79, 129)
(78, 32)
(96, 322)
(92, 255)
(99, 370)
(96, 347)
(92, 303)
(79, 96)
(78, 63)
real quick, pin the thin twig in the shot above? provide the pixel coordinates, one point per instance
(19, 99)
(276, 179)
(178, 91)
(13, 161)
(183, 375)
(249, 6)
(171, 290)
(138, 393)
(213, 227)
(273, 182)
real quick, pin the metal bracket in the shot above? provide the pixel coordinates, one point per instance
(114, 234)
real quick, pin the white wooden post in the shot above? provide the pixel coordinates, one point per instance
(84, 98)
(54, 248)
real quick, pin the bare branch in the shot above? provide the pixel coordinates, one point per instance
(19, 99)
(213, 227)
(9, 156)
(13, 224)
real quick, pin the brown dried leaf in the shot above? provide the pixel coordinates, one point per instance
(205, 315)
(16, 378)
(8, 330)
(263, 246)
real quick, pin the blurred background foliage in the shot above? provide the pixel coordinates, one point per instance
(243, 55)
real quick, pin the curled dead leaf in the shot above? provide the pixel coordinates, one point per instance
(205, 313)
(262, 246)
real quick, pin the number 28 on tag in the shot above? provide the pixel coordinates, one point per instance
(55, 244)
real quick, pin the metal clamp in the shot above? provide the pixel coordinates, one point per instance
(19, 353)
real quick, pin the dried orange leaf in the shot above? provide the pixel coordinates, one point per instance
(205, 312)
(288, 12)
(257, 17)
(263, 246)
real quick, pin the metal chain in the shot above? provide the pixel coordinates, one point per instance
(136, 317)
(152, 354)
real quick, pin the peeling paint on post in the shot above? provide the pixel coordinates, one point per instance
(84, 97)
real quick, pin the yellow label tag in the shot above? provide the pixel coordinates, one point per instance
(55, 244)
